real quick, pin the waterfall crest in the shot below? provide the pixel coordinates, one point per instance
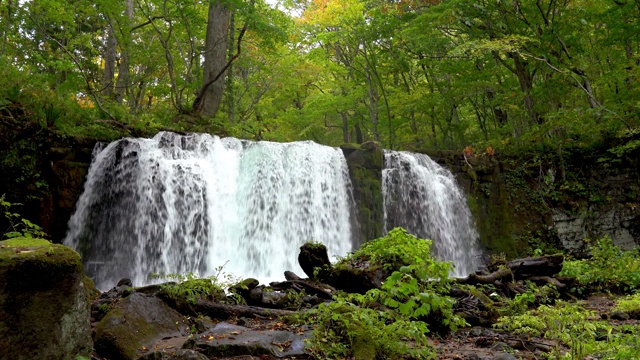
(191, 203)
(424, 198)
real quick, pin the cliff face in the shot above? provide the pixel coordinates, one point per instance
(43, 174)
(523, 204)
(519, 204)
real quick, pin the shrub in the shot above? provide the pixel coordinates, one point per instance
(577, 331)
(609, 268)
(190, 287)
(395, 318)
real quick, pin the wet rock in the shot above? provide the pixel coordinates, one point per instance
(504, 356)
(619, 315)
(313, 255)
(134, 322)
(227, 340)
(182, 354)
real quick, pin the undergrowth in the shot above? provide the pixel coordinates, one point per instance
(390, 322)
(608, 269)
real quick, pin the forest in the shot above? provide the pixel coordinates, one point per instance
(533, 105)
(544, 75)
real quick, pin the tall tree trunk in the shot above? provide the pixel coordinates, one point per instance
(215, 59)
(110, 53)
(526, 84)
(231, 101)
(345, 127)
(6, 26)
(373, 103)
(123, 83)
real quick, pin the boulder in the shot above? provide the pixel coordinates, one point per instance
(44, 301)
(227, 340)
(313, 255)
(181, 354)
(135, 323)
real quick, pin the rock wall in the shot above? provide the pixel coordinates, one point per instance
(44, 173)
(549, 203)
(365, 169)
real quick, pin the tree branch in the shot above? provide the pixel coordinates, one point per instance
(148, 22)
(80, 69)
(197, 103)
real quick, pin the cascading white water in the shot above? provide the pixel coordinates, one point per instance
(176, 204)
(424, 198)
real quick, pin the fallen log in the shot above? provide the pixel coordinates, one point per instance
(500, 274)
(225, 311)
(525, 268)
(548, 280)
(300, 284)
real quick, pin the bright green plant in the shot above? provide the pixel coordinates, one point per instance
(578, 332)
(18, 226)
(412, 297)
(629, 304)
(610, 268)
(345, 328)
(565, 322)
(191, 287)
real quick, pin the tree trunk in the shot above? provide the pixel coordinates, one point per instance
(231, 101)
(373, 104)
(109, 61)
(215, 59)
(6, 27)
(526, 84)
(345, 127)
(123, 83)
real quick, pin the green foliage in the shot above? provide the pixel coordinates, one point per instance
(629, 304)
(190, 287)
(578, 332)
(399, 248)
(609, 268)
(18, 226)
(412, 295)
(345, 328)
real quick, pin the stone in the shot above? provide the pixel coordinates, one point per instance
(227, 340)
(44, 301)
(125, 282)
(504, 356)
(134, 322)
(313, 255)
(182, 354)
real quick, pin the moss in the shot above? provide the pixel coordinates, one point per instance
(24, 242)
(43, 297)
(362, 343)
(350, 146)
(38, 256)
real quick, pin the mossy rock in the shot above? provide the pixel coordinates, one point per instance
(44, 301)
(134, 322)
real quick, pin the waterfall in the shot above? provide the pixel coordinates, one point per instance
(424, 198)
(192, 203)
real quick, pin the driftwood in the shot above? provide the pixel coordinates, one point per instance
(225, 311)
(500, 274)
(548, 280)
(299, 285)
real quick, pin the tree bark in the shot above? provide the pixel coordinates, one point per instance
(123, 82)
(110, 52)
(215, 59)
